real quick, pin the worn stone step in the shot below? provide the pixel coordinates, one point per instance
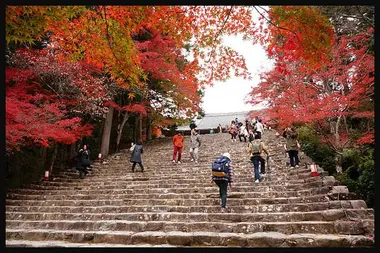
(165, 184)
(204, 200)
(60, 244)
(301, 207)
(323, 215)
(359, 227)
(133, 194)
(260, 239)
(191, 175)
(260, 196)
(185, 188)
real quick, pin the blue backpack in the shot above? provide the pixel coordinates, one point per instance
(219, 167)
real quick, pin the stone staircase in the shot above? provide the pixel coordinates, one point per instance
(176, 205)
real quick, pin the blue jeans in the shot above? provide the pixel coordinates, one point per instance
(256, 160)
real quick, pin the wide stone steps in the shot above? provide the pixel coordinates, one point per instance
(178, 238)
(259, 197)
(178, 205)
(122, 207)
(214, 199)
(131, 193)
(323, 215)
(185, 188)
(318, 227)
(163, 184)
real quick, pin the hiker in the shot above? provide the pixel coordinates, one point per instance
(220, 129)
(256, 150)
(195, 143)
(246, 124)
(232, 129)
(178, 145)
(236, 121)
(83, 161)
(223, 177)
(137, 150)
(251, 135)
(243, 132)
(292, 146)
(259, 128)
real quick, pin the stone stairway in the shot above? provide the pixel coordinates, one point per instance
(176, 205)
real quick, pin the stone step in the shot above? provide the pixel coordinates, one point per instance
(181, 174)
(323, 215)
(60, 244)
(132, 193)
(148, 183)
(133, 196)
(300, 207)
(186, 187)
(152, 200)
(360, 227)
(194, 239)
(164, 184)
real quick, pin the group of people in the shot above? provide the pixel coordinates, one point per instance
(195, 143)
(246, 130)
(256, 150)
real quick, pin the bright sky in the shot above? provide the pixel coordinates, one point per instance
(235, 90)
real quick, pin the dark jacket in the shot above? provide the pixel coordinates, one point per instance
(136, 153)
(83, 159)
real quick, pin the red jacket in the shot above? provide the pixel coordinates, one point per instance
(178, 140)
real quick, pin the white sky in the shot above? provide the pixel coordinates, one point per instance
(235, 90)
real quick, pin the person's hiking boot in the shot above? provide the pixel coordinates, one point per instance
(192, 160)
(196, 161)
(179, 162)
(297, 166)
(173, 161)
(257, 181)
(142, 170)
(292, 167)
(133, 170)
(224, 210)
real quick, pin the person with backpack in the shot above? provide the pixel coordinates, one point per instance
(195, 143)
(178, 146)
(256, 150)
(137, 150)
(292, 146)
(223, 176)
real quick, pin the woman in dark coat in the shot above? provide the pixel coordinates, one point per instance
(137, 150)
(83, 162)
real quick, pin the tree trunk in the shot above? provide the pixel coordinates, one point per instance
(140, 127)
(338, 163)
(148, 128)
(53, 158)
(104, 148)
(120, 129)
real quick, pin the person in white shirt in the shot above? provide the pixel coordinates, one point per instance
(243, 132)
(259, 128)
